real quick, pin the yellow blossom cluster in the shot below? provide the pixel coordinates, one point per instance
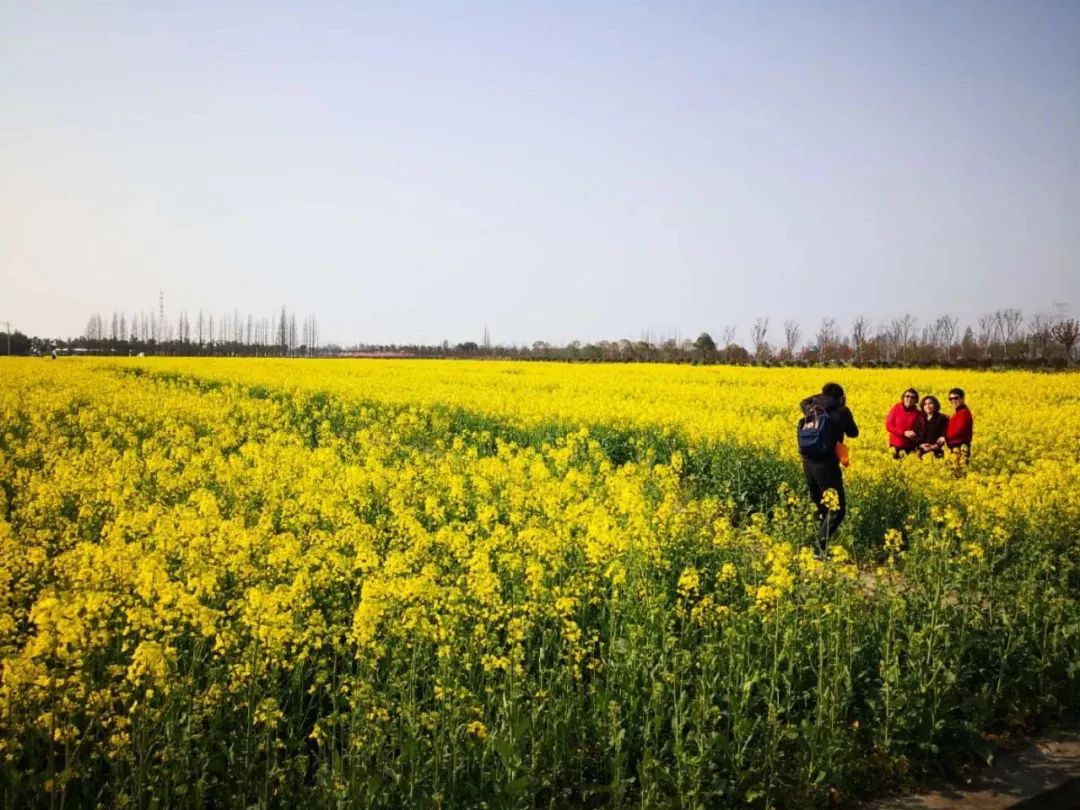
(371, 583)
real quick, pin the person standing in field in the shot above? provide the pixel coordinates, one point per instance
(932, 426)
(902, 424)
(958, 433)
(825, 422)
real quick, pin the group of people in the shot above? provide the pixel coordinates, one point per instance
(913, 425)
(919, 426)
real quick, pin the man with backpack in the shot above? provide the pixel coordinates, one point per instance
(826, 421)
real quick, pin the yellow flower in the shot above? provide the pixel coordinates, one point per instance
(477, 729)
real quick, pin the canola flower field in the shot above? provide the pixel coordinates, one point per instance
(245, 583)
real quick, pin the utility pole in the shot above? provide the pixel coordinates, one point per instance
(7, 331)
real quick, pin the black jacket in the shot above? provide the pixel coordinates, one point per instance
(932, 429)
(841, 421)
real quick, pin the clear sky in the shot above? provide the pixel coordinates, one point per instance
(418, 171)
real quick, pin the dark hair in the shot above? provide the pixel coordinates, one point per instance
(958, 391)
(833, 390)
(911, 391)
(929, 398)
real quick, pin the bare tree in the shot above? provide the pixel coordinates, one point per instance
(827, 338)
(1011, 320)
(1009, 325)
(1067, 334)
(859, 329)
(95, 328)
(901, 332)
(308, 337)
(792, 333)
(758, 335)
(987, 327)
(1039, 338)
(943, 335)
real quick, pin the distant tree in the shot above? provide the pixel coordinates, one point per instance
(944, 335)
(283, 332)
(1039, 337)
(1066, 333)
(901, 335)
(734, 353)
(706, 346)
(987, 327)
(827, 339)
(758, 337)
(969, 344)
(727, 336)
(15, 342)
(311, 334)
(95, 329)
(859, 328)
(792, 332)
(1010, 330)
(1011, 322)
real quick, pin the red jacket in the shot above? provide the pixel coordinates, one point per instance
(899, 420)
(959, 430)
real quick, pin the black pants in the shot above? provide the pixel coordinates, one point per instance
(820, 476)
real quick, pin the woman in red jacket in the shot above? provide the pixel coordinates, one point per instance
(902, 424)
(958, 433)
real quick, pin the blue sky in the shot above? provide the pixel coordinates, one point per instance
(416, 172)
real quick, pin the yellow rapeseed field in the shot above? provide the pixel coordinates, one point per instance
(463, 584)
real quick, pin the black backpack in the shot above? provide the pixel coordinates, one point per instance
(816, 434)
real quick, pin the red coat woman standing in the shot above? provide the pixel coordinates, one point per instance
(902, 423)
(961, 424)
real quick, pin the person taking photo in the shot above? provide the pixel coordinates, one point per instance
(826, 420)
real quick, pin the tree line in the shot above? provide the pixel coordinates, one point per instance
(1000, 338)
(229, 334)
